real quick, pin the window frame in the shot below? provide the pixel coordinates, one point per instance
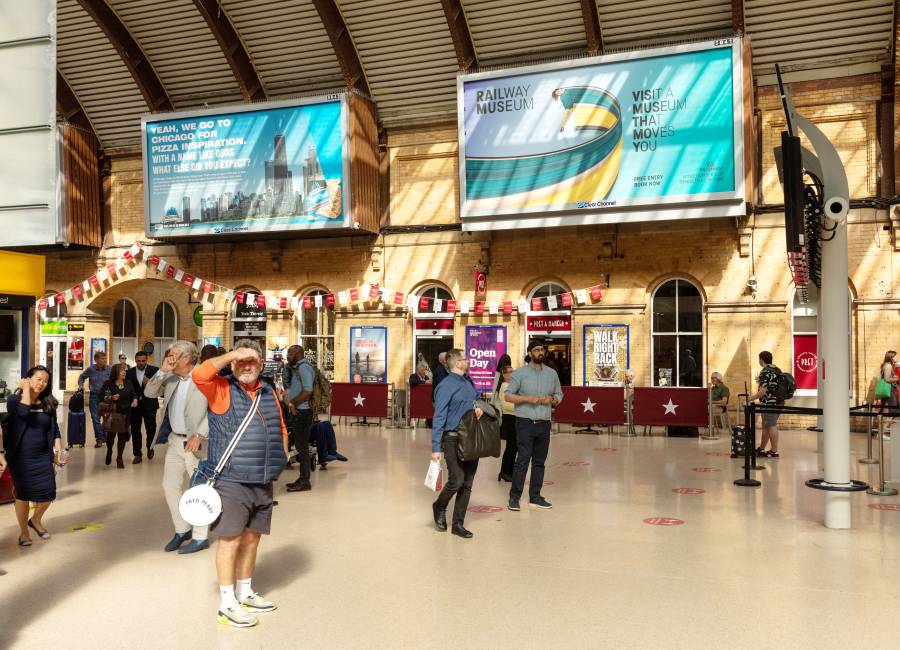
(677, 333)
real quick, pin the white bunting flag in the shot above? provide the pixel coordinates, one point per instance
(295, 303)
(317, 301)
(387, 294)
(551, 302)
(523, 305)
(411, 302)
(179, 275)
(249, 298)
(135, 249)
(120, 264)
(162, 265)
(68, 294)
(43, 313)
(198, 282)
(581, 296)
(438, 305)
(229, 295)
(342, 297)
(51, 301)
(103, 275)
(493, 307)
(86, 286)
(463, 306)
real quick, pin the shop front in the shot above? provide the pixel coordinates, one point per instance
(432, 325)
(21, 282)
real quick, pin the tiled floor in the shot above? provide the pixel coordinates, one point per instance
(356, 563)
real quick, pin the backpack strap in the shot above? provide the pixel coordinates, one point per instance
(226, 455)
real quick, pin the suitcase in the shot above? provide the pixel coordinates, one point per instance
(739, 432)
(75, 429)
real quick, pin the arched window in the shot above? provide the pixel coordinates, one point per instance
(433, 292)
(317, 331)
(677, 333)
(165, 328)
(58, 311)
(124, 331)
(545, 290)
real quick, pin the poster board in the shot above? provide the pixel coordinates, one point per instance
(485, 344)
(607, 354)
(368, 354)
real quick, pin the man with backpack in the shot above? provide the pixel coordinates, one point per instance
(774, 388)
(299, 378)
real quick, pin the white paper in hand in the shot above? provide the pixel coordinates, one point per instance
(434, 477)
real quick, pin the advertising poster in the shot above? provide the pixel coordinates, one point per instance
(606, 354)
(806, 361)
(485, 344)
(639, 128)
(368, 355)
(97, 345)
(263, 168)
(75, 353)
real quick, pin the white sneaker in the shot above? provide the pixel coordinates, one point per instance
(256, 603)
(236, 617)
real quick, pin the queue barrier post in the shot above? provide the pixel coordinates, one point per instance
(882, 490)
(749, 447)
(869, 459)
(711, 430)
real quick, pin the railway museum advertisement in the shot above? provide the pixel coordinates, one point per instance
(271, 167)
(608, 134)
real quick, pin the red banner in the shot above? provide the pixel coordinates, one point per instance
(207, 287)
(307, 302)
(591, 405)
(420, 405)
(354, 294)
(359, 400)
(566, 300)
(507, 307)
(187, 280)
(261, 301)
(596, 294)
(398, 298)
(479, 307)
(170, 271)
(113, 271)
(238, 296)
(480, 283)
(806, 361)
(374, 291)
(670, 407)
(329, 300)
(451, 306)
(154, 260)
(77, 290)
(95, 281)
(536, 304)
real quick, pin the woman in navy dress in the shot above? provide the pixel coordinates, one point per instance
(32, 444)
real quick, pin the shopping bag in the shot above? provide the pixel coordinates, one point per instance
(434, 479)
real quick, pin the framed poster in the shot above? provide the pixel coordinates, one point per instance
(368, 355)
(75, 353)
(485, 344)
(97, 345)
(607, 354)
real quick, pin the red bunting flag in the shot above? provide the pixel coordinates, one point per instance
(128, 256)
(596, 294)
(154, 260)
(329, 300)
(282, 303)
(239, 297)
(354, 294)
(42, 304)
(113, 272)
(60, 298)
(536, 304)
(423, 303)
(307, 302)
(398, 298)
(77, 290)
(170, 271)
(451, 306)
(95, 281)
(374, 291)
(566, 299)
(479, 307)
(207, 287)
(261, 301)
(507, 307)
(188, 280)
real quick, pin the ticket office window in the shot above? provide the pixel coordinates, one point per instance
(316, 332)
(677, 333)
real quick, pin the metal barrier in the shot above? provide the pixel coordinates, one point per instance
(883, 490)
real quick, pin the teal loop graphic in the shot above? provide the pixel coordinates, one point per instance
(491, 177)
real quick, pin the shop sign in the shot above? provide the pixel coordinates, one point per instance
(606, 354)
(368, 354)
(76, 327)
(259, 168)
(485, 344)
(434, 324)
(198, 316)
(54, 327)
(550, 324)
(9, 301)
(628, 137)
(806, 361)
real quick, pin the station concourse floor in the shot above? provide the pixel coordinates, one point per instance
(357, 563)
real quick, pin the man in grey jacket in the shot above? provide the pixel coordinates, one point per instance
(184, 426)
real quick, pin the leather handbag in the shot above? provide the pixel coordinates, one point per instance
(114, 422)
(479, 437)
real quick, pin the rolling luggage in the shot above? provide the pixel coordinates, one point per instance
(75, 428)
(739, 431)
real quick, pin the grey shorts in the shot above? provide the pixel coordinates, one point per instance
(769, 419)
(244, 505)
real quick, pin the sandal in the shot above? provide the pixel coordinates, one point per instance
(43, 534)
(24, 542)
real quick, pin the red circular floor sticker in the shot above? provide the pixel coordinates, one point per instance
(705, 470)
(576, 463)
(663, 521)
(605, 449)
(688, 491)
(485, 509)
(546, 483)
(723, 454)
(885, 506)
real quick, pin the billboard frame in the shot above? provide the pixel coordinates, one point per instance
(346, 187)
(692, 206)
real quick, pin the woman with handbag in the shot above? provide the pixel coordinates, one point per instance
(118, 398)
(455, 396)
(32, 445)
(507, 426)
(885, 389)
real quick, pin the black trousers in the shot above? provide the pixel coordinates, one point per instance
(298, 434)
(146, 416)
(459, 482)
(508, 433)
(533, 440)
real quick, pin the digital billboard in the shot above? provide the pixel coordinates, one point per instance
(272, 167)
(655, 134)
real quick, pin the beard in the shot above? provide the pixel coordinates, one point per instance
(248, 376)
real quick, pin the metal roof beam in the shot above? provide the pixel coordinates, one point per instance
(233, 48)
(68, 107)
(737, 16)
(591, 16)
(146, 78)
(344, 48)
(466, 56)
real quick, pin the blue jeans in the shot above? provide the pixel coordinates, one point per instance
(322, 435)
(94, 406)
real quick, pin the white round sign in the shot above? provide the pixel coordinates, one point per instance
(201, 505)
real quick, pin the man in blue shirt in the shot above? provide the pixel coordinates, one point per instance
(452, 400)
(299, 378)
(96, 375)
(534, 389)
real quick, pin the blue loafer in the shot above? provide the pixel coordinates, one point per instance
(194, 546)
(178, 540)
